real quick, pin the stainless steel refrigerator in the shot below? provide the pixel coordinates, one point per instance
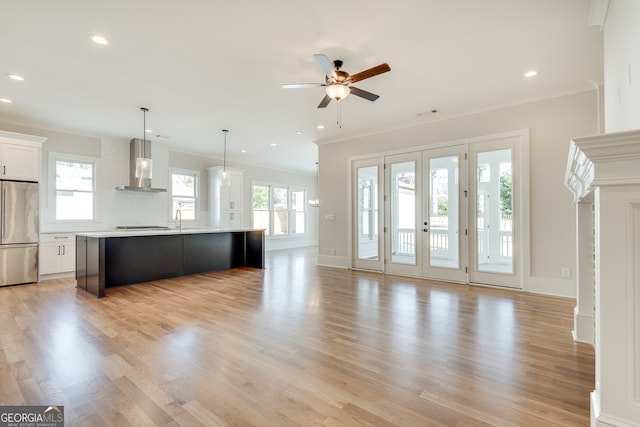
(18, 232)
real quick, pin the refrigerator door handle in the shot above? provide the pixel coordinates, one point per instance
(4, 210)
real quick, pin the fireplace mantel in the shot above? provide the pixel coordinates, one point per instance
(603, 173)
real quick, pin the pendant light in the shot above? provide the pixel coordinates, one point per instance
(144, 164)
(224, 154)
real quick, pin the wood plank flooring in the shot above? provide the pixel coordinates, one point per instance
(294, 345)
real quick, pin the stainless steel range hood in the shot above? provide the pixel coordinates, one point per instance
(143, 185)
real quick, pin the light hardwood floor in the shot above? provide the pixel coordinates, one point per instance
(294, 344)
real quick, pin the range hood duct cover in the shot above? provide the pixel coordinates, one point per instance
(142, 185)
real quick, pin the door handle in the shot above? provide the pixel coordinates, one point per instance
(58, 250)
(425, 229)
(3, 196)
(63, 250)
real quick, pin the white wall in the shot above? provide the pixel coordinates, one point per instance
(132, 208)
(622, 66)
(552, 123)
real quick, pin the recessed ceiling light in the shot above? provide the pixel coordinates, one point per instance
(99, 40)
(243, 151)
(299, 132)
(531, 73)
(148, 131)
(16, 77)
(273, 144)
(6, 101)
(320, 127)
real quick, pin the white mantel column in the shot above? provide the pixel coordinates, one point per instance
(607, 168)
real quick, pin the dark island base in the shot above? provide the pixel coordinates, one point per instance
(103, 262)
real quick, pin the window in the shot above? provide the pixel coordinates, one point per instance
(260, 207)
(280, 210)
(74, 192)
(184, 194)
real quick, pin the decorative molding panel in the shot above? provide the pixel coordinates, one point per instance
(579, 175)
(598, 13)
(633, 256)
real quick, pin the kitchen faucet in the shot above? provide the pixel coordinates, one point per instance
(179, 218)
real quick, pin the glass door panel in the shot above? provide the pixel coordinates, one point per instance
(403, 207)
(443, 212)
(494, 233)
(367, 221)
(368, 213)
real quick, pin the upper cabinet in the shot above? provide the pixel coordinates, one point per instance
(225, 198)
(20, 156)
(20, 162)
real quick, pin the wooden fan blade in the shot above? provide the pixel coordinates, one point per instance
(364, 94)
(325, 101)
(300, 85)
(374, 71)
(324, 63)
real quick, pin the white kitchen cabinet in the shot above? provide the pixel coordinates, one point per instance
(57, 255)
(225, 198)
(19, 162)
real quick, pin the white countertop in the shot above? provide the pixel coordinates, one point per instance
(132, 233)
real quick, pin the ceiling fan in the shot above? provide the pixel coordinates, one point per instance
(338, 83)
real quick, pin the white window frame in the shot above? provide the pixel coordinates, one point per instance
(291, 213)
(52, 193)
(196, 191)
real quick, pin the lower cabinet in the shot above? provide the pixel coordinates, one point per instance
(57, 255)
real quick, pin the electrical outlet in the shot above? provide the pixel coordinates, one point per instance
(333, 251)
(566, 272)
(330, 217)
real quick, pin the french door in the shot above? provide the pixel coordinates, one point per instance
(444, 214)
(454, 213)
(425, 213)
(403, 213)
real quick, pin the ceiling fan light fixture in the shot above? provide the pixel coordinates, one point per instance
(338, 91)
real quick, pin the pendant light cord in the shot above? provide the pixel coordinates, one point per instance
(224, 155)
(143, 146)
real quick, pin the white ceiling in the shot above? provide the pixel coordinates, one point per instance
(201, 66)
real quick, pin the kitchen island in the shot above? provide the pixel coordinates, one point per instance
(116, 258)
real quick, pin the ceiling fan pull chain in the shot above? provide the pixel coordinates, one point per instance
(339, 114)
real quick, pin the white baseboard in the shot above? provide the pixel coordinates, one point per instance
(276, 244)
(550, 286)
(582, 327)
(333, 261)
